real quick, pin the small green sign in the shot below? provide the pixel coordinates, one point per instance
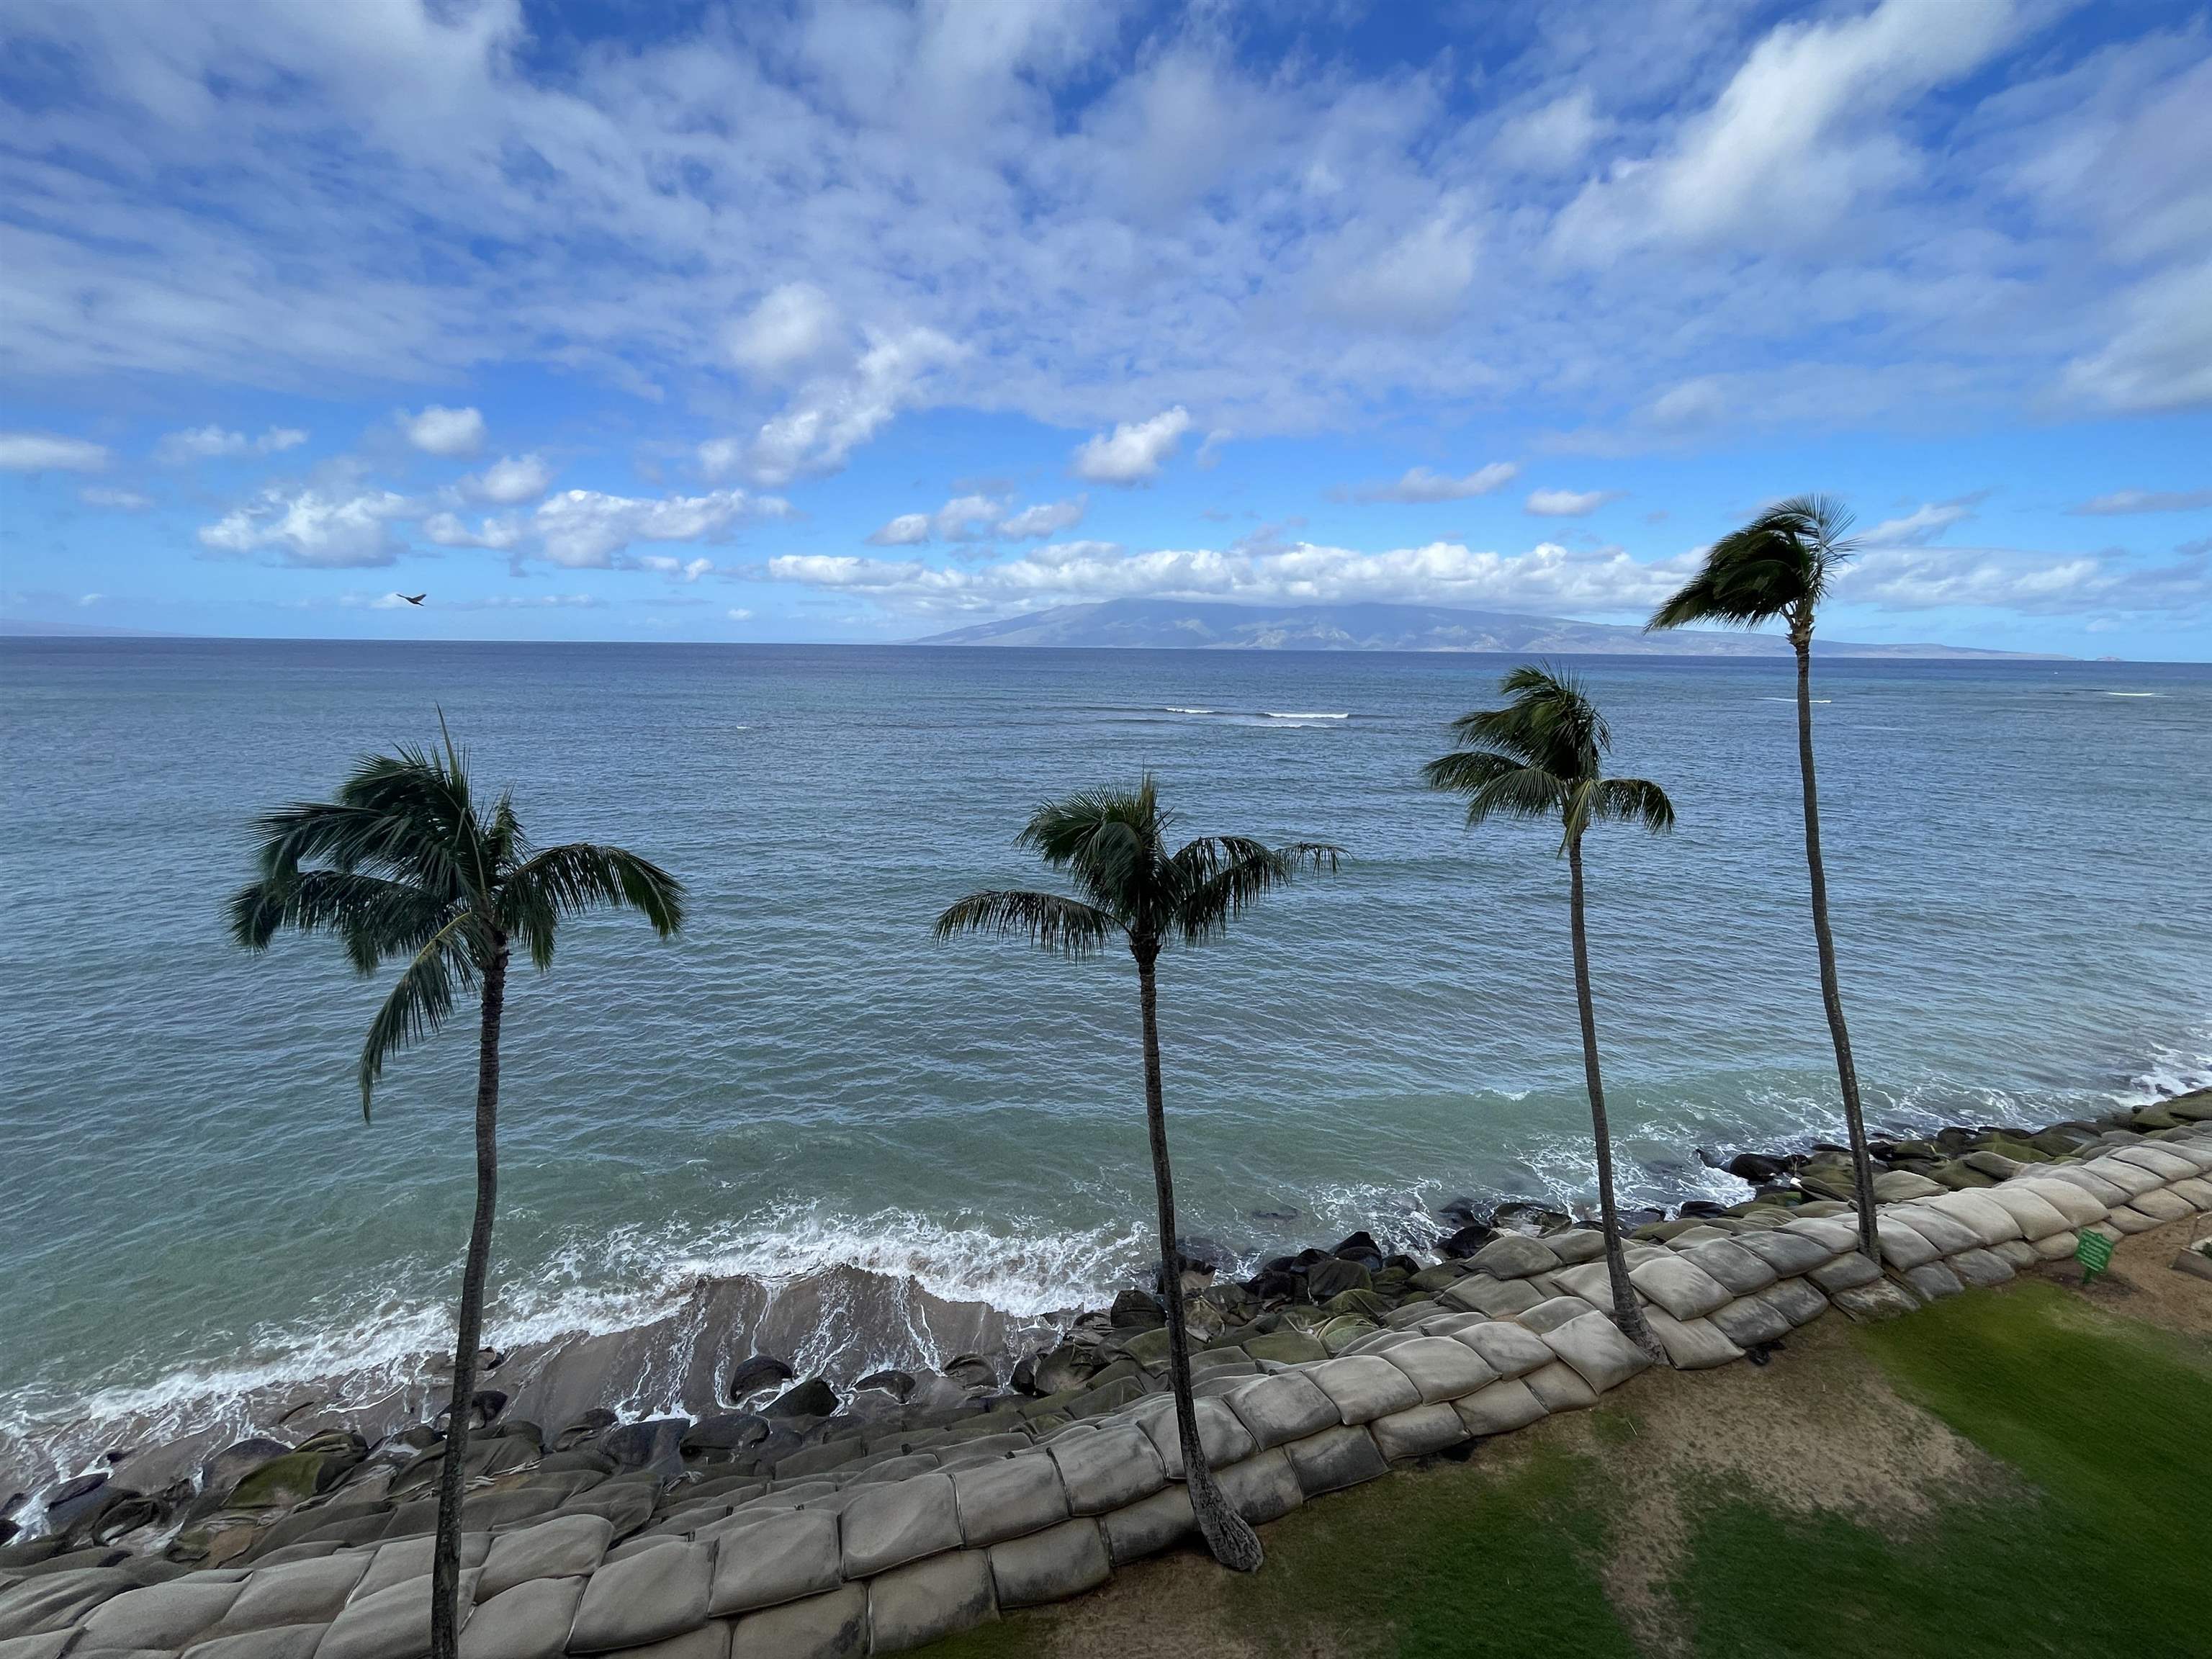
(2094, 1253)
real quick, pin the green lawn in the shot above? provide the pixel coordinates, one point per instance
(2092, 1541)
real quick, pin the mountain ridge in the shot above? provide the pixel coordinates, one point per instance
(1171, 624)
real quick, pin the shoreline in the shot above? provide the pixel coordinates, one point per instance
(734, 1347)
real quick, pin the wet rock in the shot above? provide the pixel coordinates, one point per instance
(656, 1443)
(900, 1385)
(1458, 1246)
(1273, 1215)
(730, 1431)
(812, 1398)
(972, 1372)
(1460, 1212)
(761, 1370)
(1527, 1215)
(1135, 1310)
(222, 1471)
(1361, 1248)
(589, 1426)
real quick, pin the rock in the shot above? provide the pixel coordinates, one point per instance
(587, 1427)
(919, 1604)
(1466, 1241)
(1135, 1310)
(1330, 1278)
(753, 1374)
(812, 1398)
(900, 1385)
(222, 1471)
(728, 1432)
(1460, 1212)
(655, 1444)
(1527, 1215)
(971, 1370)
(284, 1482)
(1755, 1167)
(1361, 1248)
(1053, 1564)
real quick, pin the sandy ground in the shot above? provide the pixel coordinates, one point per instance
(1818, 1427)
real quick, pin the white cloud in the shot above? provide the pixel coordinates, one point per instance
(737, 613)
(832, 415)
(586, 529)
(2081, 585)
(1046, 519)
(908, 529)
(684, 570)
(510, 481)
(1568, 504)
(115, 500)
(1796, 139)
(1547, 579)
(2145, 501)
(1551, 137)
(794, 327)
(1134, 452)
(210, 443)
(1919, 527)
(312, 527)
(455, 433)
(499, 533)
(1419, 483)
(44, 452)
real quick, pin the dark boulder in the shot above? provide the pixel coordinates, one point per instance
(1360, 1248)
(972, 1371)
(761, 1370)
(1401, 1263)
(1528, 1215)
(1757, 1168)
(222, 1471)
(1305, 1259)
(900, 1385)
(589, 1426)
(1135, 1310)
(1460, 1212)
(730, 1431)
(80, 1500)
(1332, 1278)
(1457, 1247)
(1272, 1284)
(125, 1512)
(1704, 1207)
(812, 1398)
(1273, 1215)
(655, 1444)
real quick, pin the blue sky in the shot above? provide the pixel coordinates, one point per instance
(858, 322)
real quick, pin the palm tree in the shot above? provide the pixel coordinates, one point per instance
(1780, 565)
(1541, 756)
(403, 863)
(1113, 842)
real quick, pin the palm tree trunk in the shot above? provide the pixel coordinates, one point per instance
(445, 1563)
(1627, 1312)
(1227, 1534)
(1832, 998)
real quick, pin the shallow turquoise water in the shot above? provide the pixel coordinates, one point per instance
(2017, 853)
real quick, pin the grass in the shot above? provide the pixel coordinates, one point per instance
(2083, 1536)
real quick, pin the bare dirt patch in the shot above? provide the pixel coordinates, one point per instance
(2141, 1283)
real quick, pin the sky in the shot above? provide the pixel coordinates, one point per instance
(859, 322)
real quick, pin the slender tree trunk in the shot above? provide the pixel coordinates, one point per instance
(1627, 1312)
(1832, 998)
(445, 1563)
(1227, 1534)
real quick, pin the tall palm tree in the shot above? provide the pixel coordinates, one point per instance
(403, 863)
(1542, 756)
(1780, 565)
(1113, 843)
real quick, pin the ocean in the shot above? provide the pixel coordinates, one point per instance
(806, 1095)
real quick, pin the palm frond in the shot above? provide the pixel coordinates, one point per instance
(562, 881)
(1109, 840)
(1632, 800)
(421, 999)
(1228, 873)
(1780, 564)
(374, 917)
(1051, 921)
(1523, 792)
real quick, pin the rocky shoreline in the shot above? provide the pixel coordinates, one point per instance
(751, 1415)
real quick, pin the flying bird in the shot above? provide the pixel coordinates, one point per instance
(413, 598)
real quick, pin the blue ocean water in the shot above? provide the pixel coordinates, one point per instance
(806, 1084)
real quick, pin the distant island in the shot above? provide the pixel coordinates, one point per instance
(1175, 624)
